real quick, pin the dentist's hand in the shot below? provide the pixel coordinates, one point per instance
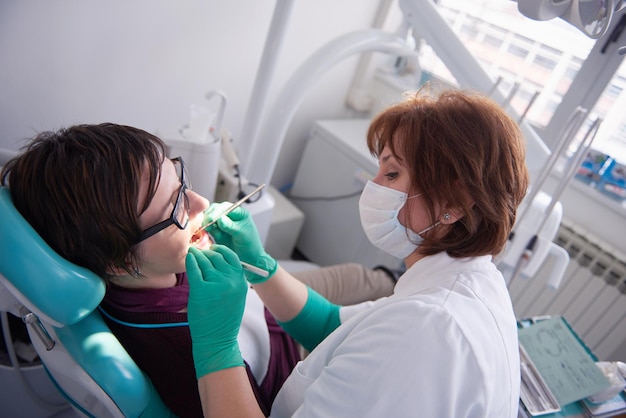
(238, 232)
(214, 212)
(217, 297)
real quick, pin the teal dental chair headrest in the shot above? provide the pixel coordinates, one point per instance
(45, 279)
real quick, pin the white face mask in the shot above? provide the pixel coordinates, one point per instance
(379, 207)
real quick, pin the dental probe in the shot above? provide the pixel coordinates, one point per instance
(233, 207)
(255, 270)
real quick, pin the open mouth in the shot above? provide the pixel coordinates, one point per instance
(201, 239)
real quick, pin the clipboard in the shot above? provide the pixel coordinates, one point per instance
(563, 361)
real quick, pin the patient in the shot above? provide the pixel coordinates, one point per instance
(105, 197)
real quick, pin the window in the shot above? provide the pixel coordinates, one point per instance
(614, 91)
(469, 28)
(520, 46)
(494, 36)
(547, 57)
(573, 67)
(543, 59)
(611, 138)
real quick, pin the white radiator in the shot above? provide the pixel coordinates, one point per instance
(591, 297)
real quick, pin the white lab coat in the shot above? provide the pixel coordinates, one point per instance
(254, 337)
(444, 345)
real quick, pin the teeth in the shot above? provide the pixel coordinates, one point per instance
(201, 239)
(196, 237)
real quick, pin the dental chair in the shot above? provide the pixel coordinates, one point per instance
(57, 300)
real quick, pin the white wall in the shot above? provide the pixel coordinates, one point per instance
(143, 62)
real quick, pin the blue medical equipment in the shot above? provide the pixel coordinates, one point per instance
(58, 300)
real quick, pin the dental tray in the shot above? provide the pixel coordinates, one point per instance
(534, 392)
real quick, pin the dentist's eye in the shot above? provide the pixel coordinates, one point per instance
(392, 175)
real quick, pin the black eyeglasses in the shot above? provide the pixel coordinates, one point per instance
(180, 213)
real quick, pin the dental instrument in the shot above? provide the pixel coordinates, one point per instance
(254, 269)
(232, 207)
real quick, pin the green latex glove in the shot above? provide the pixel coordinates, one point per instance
(317, 319)
(238, 232)
(212, 213)
(217, 297)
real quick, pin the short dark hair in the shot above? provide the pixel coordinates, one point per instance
(79, 189)
(464, 151)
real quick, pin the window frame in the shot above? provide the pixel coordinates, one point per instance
(594, 76)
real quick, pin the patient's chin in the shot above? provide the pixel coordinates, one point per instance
(201, 240)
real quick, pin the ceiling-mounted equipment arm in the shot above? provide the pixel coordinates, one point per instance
(275, 124)
(430, 26)
(592, 17)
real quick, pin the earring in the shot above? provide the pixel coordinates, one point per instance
(136, 272)
(446, 217)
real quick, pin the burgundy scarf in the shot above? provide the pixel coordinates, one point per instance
(171, 299)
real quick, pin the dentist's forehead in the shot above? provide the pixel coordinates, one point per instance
(387, 156)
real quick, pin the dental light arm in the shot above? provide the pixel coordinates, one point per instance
(592, 17)
(274, 127)
(428, 24)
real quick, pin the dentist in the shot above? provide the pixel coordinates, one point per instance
(452, 174)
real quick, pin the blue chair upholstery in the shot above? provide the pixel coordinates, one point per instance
(87, 363)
